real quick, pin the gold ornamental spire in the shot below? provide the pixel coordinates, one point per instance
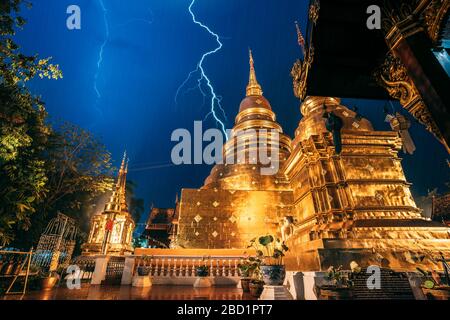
(117, 201)
(253, 87)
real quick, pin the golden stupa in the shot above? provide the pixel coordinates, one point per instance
(112, 230)
(330, 208)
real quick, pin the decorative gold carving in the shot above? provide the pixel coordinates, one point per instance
(314, 11)
(433, 16)
(300, 70)
(299, 74)
(392, 75)
(400, 21)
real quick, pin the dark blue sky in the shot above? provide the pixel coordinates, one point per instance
(152, 47)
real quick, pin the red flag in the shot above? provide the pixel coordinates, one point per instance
(301, 40)
(109, 225)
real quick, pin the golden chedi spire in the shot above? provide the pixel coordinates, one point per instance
(254, 126)
(253, 87)
(117, 201)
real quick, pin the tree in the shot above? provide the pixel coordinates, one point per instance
(79, 172)
(135, 205)
(23, 131)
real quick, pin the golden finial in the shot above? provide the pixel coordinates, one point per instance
(122, 166)
(126, 165)
(253, 87)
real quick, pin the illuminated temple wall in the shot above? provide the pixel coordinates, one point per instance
(229, 218)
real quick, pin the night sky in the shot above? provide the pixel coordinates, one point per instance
(151, 48)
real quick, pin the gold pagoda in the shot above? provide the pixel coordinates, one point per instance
(330, 207)
(237, 202)
(112, 230)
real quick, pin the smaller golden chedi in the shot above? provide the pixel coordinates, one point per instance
(112, 230)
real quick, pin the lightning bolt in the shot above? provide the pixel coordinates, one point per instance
(203, 78)
(100, 54)
(105, 43)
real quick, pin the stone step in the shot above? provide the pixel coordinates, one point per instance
(394, 285)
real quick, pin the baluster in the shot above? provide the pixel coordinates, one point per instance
(150, 267)
(180, 273)
(158, 267)
(191, 267)
(175, 267)
(217, 267)
(229, 268)
(211, 268)
(169, 267)
(164, 267)
(224, 268)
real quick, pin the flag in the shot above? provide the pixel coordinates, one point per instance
(300, 38)
(109, 225)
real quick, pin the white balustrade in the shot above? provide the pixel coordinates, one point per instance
(166, 269)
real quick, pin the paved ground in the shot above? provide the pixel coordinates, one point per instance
(88, 292)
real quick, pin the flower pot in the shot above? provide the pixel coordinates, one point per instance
(49, 283)
(245, 284)
(143, 271)
(335, 293)
(202, 282)
(437, 293)
(273, 275)
(256, 289)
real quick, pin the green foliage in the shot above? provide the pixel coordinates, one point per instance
(430, 279)
(270, 249)
(79, 171)
(15, 67)
(338, 278)
(135, 205)
(23, 131)
(202, 271)
(249, 266)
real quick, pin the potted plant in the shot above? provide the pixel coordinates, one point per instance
(143, 268)
(432, 286)
(256, 284)
(271, 251)
(49, 280)
(339, 286)
(247, 268)
(202, 273)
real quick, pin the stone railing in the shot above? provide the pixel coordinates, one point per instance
(176, 266)
(181, 270)
(185, 266)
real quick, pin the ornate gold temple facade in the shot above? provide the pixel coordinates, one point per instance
(330, 208)
(356, 205)
(112, 230)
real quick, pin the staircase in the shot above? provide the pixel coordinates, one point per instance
(394, 286)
